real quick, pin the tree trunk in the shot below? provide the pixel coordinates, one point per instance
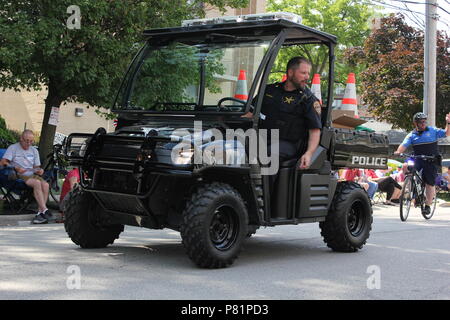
(48, 130)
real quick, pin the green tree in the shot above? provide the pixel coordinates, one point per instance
(86, 65)
(393, 81)
(346, 19)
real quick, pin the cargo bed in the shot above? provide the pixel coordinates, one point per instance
(360, 149)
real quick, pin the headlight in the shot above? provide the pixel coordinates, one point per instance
(410, 162)
(182, 156)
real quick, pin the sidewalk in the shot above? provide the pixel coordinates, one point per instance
(8, 218)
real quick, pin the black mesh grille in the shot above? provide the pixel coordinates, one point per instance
(116, 181)
(122, 203)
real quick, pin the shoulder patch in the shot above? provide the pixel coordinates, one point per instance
(317, 107)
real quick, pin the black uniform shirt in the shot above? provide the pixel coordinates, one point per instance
(292, 112)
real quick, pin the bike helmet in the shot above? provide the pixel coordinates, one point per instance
(420, 116)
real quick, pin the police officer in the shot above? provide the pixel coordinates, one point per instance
(291, 108)
(424, 141)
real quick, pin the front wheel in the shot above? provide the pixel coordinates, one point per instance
(214, 225)
(80, 211)
(349, 221)
(406, 198)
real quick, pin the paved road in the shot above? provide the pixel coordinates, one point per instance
(401, 261)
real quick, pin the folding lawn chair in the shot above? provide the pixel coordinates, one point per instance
(15, 192)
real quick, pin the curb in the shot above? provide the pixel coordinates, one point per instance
(8, 220)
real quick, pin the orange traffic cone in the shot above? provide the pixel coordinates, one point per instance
(241, 87)
(315, 87)
(349, 101)
(284, 78)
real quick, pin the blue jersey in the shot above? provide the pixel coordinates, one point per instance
(424, 142)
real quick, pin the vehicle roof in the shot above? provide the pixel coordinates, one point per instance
(296, 32)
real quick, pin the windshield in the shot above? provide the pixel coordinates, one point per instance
(191, 77)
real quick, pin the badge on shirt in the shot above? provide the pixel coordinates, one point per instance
(317, 107)
(289, 100)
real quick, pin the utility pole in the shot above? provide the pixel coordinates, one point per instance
(429, 93)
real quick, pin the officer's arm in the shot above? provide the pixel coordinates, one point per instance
(313, 143)
(401, 149)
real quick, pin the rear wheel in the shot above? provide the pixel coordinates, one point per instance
(432, 209)
(406, 198)
(214, 225)
(349, 221)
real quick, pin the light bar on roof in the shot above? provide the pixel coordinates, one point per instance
(271, 16)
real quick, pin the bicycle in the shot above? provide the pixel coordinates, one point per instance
(414, 189)
(55, 171)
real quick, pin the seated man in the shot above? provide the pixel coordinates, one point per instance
(25, 161)
(291, 108)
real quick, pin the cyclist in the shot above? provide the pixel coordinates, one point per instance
(424, 141)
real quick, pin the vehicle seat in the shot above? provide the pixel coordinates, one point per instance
(289, 163)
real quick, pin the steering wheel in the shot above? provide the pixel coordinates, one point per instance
(219, 104)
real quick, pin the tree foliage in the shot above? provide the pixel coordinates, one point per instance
(393, 81)
(85, 65)
(346, 19)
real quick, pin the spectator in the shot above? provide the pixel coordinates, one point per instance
(445, 180)
(72, 178)
(358, 175)
(24, 158)
(372, 185)
(387, 184)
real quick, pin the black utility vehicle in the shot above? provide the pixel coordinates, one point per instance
(173, 162)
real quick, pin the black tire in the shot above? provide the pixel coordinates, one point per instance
(349, 221)
(79, 211)
(406, 198)
(214, 225)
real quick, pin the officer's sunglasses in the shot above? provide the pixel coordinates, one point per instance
(421, 121)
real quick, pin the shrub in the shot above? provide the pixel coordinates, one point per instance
(7, 136)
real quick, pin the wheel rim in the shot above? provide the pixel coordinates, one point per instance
(356, 219)
(224, 228)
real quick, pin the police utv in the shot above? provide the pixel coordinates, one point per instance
(171, 164)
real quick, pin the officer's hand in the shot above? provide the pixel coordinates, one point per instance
(247, 115)
(305, 161)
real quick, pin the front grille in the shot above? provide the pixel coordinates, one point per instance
(115, 151)
(122, 203)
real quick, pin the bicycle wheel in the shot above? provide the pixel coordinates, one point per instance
(432, 209)
(406, 198)
(56, 185)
